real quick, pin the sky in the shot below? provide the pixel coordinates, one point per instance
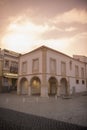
(59, 24)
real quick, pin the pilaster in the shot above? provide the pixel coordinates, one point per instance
(18, 88)
(44, 87)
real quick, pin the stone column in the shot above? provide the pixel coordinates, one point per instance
(58, 90)
(68, 88)
(29, 90)
(44, 90)
(18, 88)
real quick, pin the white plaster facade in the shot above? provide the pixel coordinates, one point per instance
(45, 72)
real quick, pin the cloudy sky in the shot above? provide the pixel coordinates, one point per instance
(60, 24)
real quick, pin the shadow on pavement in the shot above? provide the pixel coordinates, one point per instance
(13, 120)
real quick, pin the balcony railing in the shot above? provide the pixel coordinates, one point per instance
(13, 69)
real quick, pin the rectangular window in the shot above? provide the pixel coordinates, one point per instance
(77, 81)
(52, 65)
(24, 67)
(82, 72)
(35, 66)
(14, 67)
(63, 68)
(14, 63)
(6, 64)
(77, 71)
(83, 82)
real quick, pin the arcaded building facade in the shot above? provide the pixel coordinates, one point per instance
(47, 72)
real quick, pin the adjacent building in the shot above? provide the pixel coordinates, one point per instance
(1, 67)
(9, 73)
(47, 72)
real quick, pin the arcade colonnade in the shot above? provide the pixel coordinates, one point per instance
(35, 86)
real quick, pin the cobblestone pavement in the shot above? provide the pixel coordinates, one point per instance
(73, 110)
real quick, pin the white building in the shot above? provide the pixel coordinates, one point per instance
(45, 72)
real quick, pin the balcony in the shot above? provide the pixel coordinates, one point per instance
(13, 69)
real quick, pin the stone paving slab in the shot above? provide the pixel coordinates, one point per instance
(13, 120)
(73, 110)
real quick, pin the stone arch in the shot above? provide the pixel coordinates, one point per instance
(53, 84)
(63, 86)
(35, 84)
(24, 86)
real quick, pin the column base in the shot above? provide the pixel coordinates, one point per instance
(44, 92)
(18, 93)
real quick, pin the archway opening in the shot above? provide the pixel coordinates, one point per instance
(35, 86)
(24, 86)
(52, 86)
(64, 86)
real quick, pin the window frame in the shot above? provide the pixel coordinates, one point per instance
(6, 66)
(24, 69)
(76, 70)
(35, 65)
(63, 70)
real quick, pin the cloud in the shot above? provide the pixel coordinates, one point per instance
(47, 30)
(54, 22)
(82, 35)
(64, 32)
(74, 15)
(70, 29)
